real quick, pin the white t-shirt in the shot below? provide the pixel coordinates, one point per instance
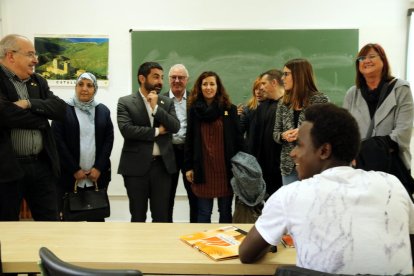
(344, 221)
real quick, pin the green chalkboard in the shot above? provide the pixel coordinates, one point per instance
(239, 56)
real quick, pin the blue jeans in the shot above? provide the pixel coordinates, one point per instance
(205, 209)
(292, 177)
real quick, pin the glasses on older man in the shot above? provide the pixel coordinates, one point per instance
(368, 57)
(179, 78)
(31, 55)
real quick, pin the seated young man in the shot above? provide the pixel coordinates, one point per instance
(343, 220)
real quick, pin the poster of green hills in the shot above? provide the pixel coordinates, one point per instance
(63, 59)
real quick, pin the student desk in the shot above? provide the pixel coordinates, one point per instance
(153, 248)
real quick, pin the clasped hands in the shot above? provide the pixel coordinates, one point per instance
(22, 104)
(290, 135)
(92, 174)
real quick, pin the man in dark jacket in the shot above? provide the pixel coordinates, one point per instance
(30, 163)
(147, 121)
(265, 149)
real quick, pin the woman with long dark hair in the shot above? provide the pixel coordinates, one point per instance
(300, 92)
(213, 138)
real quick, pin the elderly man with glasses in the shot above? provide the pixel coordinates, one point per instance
(178, 78)
(30, 163)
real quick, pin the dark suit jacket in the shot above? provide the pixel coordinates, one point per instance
(193, 152)
(68, 142)
(45, 106)
(135, 127)
(247, 127)
(264, 148)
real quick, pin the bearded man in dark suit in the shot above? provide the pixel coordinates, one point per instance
(147, 121)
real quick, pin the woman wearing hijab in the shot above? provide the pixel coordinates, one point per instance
(84, 140)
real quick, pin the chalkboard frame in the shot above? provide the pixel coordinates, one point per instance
(239, 56)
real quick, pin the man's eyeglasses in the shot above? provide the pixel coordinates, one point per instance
(285, 74)
(179, 78)
(31, 55)
(369, 57)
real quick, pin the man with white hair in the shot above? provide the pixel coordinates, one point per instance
(178, 79)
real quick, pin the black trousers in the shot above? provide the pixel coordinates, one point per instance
(192, 199)
(9, 201)
(154, 186)
(38, 187)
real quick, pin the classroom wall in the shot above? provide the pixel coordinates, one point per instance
(382, 21)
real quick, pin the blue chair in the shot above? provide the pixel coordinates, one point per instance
(51, 265)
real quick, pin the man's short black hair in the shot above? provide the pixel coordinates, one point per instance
(336, 126)
(273, 74)
(145, 68)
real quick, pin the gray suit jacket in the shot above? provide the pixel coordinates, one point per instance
(135, 127)
(394, 117)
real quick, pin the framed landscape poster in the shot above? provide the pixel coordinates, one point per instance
(63, 58)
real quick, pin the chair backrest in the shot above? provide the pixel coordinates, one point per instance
(298, 271)
(53, 266)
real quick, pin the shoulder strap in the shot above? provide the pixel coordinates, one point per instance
(381, 98)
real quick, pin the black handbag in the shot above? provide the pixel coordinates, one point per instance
(89, 205)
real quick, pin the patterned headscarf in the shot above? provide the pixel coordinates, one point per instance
(86, 106)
